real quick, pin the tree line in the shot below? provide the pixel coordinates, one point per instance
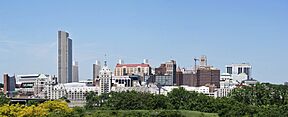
(263, 100)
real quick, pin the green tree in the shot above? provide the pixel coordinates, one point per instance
(4, 99)
(178, 98)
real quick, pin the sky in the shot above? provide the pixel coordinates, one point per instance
(251, 31)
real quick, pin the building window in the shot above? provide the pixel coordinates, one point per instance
(240, 70)
(229, 70)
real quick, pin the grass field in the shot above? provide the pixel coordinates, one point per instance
(147, 113)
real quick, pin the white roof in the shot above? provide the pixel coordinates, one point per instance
(75, 84)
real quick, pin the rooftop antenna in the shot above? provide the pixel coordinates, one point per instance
(105, 61)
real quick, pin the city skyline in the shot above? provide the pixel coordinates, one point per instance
(226, 32)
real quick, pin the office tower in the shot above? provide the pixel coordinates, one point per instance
(105, 79)
(64, 57)
(96, 71)
(75, 73)
(9, 84)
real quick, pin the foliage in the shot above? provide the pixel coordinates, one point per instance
(262, 100)
(4, 99)
(49, 108)
(32, 102)
(1, 85)
(147, 113)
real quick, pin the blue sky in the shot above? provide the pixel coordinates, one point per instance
(225, 31)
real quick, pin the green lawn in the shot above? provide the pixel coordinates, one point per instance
(147, 113)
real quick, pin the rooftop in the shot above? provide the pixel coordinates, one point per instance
(133, 65)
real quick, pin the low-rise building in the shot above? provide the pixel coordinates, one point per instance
(72, 91)
(132, 69)
(31, 84)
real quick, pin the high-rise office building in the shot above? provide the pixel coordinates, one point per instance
(75, 73)
(96, 71)
(64, 57)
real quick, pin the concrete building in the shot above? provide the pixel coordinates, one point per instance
(179, 77)
(105, 79)
(9, 85)
(96, 72)
(72, 91)
(189, 78)
(75, 73)
(88, 82)
(236, 69)
(203, 89)
(164, 80)
(223, 92)
(31, 84)
(201, 75)
(64, 57)
(208, 75)
(168, 68)
(226, 81)
(122, 81)
(132, 69)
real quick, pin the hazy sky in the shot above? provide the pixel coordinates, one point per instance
(253, 31)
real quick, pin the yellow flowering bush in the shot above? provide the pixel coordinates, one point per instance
(42, 110)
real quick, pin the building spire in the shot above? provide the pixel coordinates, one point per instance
(105, 61)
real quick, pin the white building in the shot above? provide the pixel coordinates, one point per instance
(72, 91)
(224, 92)
(151, 89)
(122, 81)
(105, 79)
(236, 69)
(203, 89)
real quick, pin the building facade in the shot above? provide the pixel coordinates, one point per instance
(167, 68)
(9, 84)
(208, 76)
(236, 69)
(75, 73)
(132, 69)
(105, 79)
(72, 91)
(96, 72)
(64, 57)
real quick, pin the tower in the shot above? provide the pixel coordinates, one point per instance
(9, 84)
(105, 79)
(96, 71)
(203, 61)
(75, 73)
(64, 57)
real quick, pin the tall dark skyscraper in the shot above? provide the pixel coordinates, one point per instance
(64, 57)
